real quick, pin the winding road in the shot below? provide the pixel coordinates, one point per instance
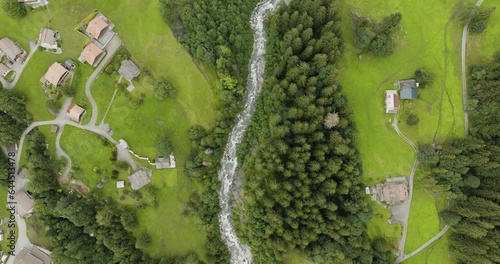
(464, 73)
(241, 254)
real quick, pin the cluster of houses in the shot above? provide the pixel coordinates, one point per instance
(100, 32)
(407, 91)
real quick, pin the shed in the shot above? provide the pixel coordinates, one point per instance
(56, 74)
(139, 179)
(48, 38)
(391, 101)
(4, 70)
(69, 64)
(165, 162)
(96, 26)
(128, 70)
(54, 128)
(91, 53)
(24, 204)
(11, 49)
(120, 184)
(75, 112)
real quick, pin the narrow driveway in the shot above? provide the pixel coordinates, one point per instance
(122, 154)
(19, 68)
(407, 206)
(60, 153)
(422, 247)
(464, 73)
(111, 49)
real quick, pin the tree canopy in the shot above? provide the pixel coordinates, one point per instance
(14, 9)
(376, 37)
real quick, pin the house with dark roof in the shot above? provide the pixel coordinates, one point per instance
(408, 89)
(128, 70)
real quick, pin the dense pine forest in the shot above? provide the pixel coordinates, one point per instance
(303, 186)
(467, 171)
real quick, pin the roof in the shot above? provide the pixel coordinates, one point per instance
(394, 192)
(24, 203)
(139, 178)
(120, 184)
(128, 70)
(391, 101)
(11, 147)
(165, 163)
(96, 26)
(407, 84)
(90, 53)
(41, 255)
(75, 112)
(10, 48)
(36, 256)
(408, 93)
(54, 128)
(3, 68)
(48, 36)
(55, 73)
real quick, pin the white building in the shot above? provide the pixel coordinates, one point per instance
(391, 101)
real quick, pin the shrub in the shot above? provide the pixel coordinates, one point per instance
(412, 119)
(163, 89)
(424, 77)
(14, 9)
(164, 147)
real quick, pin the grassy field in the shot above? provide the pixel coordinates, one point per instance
(425, 40)
(152, 46)
(481, 47)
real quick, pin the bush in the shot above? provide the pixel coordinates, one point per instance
(163, 89)
(53, 105)
(424, 77)
(14, 9)
(412, 119)
(68, 90)
(164, 147)
(144, 240)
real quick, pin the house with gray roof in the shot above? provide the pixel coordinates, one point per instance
(408, 89)
(11, 49)
(128, 70)
(139, 178)
(165, 162)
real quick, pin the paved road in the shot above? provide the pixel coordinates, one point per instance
(60, 153)
(402, 241)
(19, 68)
(122, 154)
(464, 73)
(111, 49)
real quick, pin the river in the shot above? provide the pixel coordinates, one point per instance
(241, 254)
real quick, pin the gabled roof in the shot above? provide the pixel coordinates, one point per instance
(75, 112)
(24, 203)
(48, 36)
(391, 101)
(90, 53)
(10, 48)
(96, 26)
(407, 84)
(408, 93)
(139, 178)
(128, 70)
(55, 73)
(36, 256)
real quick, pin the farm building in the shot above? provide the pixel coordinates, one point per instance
(139, 179)
(391, 101)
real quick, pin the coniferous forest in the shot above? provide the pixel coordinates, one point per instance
(303, 185)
